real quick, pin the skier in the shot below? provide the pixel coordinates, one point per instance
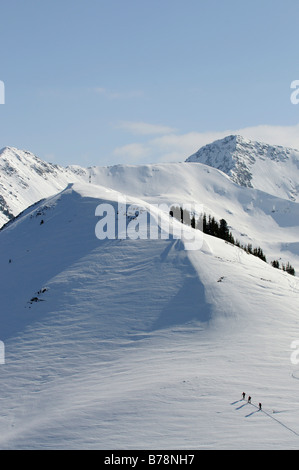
(243, 395)
(260, 406)
(249, 399)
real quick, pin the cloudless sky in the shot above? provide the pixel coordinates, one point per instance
(83, 76)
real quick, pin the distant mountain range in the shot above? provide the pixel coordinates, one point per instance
(25, 178)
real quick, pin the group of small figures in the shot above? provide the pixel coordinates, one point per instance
(249, 400)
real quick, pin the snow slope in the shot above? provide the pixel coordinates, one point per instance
(142, 343)
(254, 216)
(272, 169)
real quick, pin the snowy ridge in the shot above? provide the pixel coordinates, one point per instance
(272, 169)
(25, 179)
(140, 343)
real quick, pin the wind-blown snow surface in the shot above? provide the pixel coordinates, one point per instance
(141, 343)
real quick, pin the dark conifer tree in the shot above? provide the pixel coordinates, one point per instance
(275, 264)
(204, 223)
(223, 230)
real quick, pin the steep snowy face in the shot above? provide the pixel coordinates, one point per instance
(25, 179)
(273, 169)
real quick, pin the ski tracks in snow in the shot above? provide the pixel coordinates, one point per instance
(246, 403)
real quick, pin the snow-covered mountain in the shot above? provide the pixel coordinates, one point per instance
(272, 169)
(141, 343)
(25, 179)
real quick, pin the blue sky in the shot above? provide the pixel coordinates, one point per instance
(100, 82)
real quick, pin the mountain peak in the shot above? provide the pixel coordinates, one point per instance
(6, 150)
(234, 138)
(13, 154)
(25, 179)
(253, 164)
